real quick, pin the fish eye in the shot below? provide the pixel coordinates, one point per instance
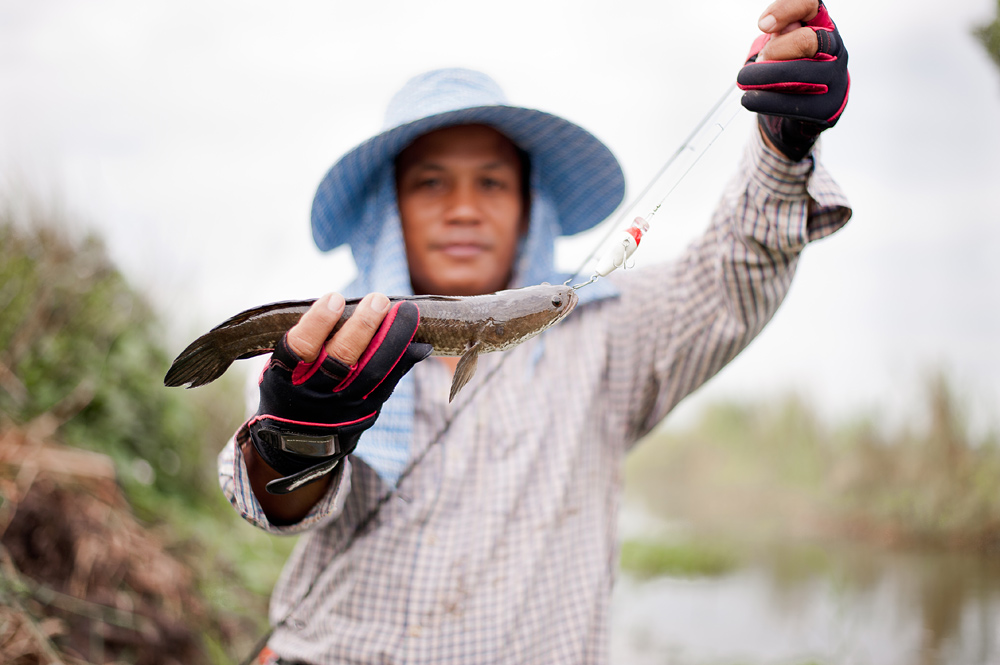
(498, 329)
(556, 301)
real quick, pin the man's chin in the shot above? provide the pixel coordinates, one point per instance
(463, 285)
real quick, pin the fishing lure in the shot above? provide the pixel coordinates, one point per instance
(618, 248)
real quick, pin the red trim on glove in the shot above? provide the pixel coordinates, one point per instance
(791, 86)
(304, 371)
(267, 416)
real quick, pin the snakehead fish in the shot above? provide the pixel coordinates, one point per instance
(454, 325)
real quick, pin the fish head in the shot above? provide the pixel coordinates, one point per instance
(520, 314)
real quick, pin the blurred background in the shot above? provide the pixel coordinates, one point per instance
(833, 493)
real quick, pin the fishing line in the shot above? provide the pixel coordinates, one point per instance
(670, 175)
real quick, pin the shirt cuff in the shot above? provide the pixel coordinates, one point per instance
(776, 175)
(235, 483)
(802, 197)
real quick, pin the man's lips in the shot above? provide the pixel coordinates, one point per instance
(461, 250)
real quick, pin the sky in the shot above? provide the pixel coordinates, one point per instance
(192, 136)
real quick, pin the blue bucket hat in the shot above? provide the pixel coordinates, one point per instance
(575, 183)
(580, 174)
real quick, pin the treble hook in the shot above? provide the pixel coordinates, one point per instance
(625, 265)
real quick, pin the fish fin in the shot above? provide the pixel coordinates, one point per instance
(256, 312)
(465, 369)
(201, 362)
(426, 298)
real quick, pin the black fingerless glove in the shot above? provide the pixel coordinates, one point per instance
(312, 414)
(798, 99)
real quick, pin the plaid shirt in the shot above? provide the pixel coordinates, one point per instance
(501, 545)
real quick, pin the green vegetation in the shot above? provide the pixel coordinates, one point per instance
(776, 470)
(80, 355)
(989, 35)
(82, 364)
(652, 558)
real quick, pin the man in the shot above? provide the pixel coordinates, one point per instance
(484, 530)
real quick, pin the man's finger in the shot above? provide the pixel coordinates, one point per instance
(800, 43)
(306, 337)
(357, 332)
(783, 13)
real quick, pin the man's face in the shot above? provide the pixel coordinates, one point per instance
(462, 210)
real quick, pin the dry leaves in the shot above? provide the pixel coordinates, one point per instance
(82, 580)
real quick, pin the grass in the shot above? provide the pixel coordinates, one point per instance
(654, 558)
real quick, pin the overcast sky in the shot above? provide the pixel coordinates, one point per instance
(193, 135)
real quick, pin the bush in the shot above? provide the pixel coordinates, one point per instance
(81, 357)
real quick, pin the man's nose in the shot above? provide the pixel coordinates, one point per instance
(463, 205)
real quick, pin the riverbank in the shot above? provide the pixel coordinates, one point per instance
(764, 535)
(774, 470)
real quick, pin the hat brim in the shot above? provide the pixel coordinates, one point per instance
(580, 174)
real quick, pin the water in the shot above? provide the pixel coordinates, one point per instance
(843, 605)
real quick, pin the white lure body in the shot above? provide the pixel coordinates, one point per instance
(621, 247)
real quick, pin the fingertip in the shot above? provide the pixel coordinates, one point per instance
(306, 337)
(767, 23)
(335, 302)
(380, 303)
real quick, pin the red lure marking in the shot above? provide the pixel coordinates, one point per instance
(635, 233)
(638, 228)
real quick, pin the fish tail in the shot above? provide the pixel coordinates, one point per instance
(200, 363)
(248, 334)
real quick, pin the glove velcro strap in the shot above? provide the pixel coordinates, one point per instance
(289, 446)
(294, 481)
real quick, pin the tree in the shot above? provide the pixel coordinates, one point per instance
(989, 35)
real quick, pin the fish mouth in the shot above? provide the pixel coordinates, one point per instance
(570, 304)
(573, 300)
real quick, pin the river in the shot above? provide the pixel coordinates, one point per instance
(851, 605)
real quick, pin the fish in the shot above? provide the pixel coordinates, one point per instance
(464, 326)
